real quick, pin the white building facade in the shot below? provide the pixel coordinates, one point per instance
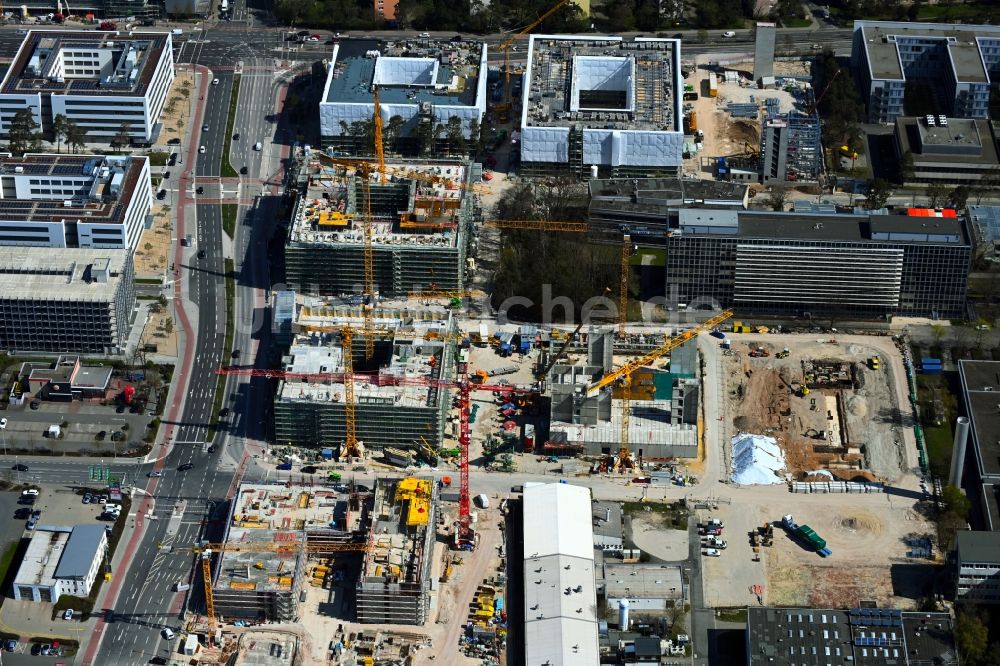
(100, 202)
(98, 80)
(61, 560)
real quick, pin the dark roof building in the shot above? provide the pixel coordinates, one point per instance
(977, 562)
(980, 395)
(870, 637)
(852, 263)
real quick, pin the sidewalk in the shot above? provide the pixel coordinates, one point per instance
(136, 530)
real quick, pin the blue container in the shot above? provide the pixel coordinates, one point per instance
(327, 454)
(930, 361)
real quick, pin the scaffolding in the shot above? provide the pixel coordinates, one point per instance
(394, 586)
(420, 232)
(791, 149)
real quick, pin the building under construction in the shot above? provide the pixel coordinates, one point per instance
(397, 400)
(394, 586)
(790, 148)
(602, 103)
(422, 217)
(268, 530)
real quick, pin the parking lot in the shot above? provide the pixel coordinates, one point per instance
(80, 426)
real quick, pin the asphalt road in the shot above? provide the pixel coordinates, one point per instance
(146, 603)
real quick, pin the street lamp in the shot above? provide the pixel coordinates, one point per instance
(3, 435)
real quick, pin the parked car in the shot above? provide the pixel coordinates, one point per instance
(10, 645)
(22, 513)
(161, 195)
(33, 492)
(102, 434)
(31, 523)
(199, 190)
(236, 137)
(3, 423)
(711, 552)
(728, 34)
(35, 404)
(243, 170)
(215, 82)
(68, 615)
(201, 254)
(36, 649)
(201, 149)
(88, 498)
(204, 128)
(224, 412)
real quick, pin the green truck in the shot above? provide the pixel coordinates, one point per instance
(807, 536)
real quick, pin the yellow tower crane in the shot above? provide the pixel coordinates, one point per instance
(623, 284)
(622, 376)
(503, 108)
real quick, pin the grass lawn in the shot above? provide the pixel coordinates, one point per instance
(732, 614)
(229, 212)
(939, 443)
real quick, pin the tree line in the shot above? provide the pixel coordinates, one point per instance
(25, 136)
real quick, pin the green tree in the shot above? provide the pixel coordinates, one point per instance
(971, 637)
(455, 136)
(24, 136)
(76, 137)
(777, 198)
(876, 194)
(59, 126)
(956, 502)
(168, 326)
(475, 135)
(907, 168)
(959, 196)
(936, 193)
(424, 135)
(123, 138)
(393, 130)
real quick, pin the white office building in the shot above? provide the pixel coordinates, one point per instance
(74, 201)
(61, 560)
(419, 82)
(602, 102)
(98, 80)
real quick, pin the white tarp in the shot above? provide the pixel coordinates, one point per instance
(757, 460)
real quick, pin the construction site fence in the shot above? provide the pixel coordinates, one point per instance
(836, 487)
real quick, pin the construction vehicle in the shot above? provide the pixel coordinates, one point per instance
(503, 108)
(873, 362)
(806, 535)
(759, 352)
(740, 327)
(622, 377)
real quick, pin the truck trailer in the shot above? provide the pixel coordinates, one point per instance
(807, 536)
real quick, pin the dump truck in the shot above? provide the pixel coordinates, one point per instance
(873, 362)
(807, 536)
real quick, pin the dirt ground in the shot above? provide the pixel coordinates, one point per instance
(854, 527)
(762, 403)
(154, 245)
(668, 545)
(177, 109)
(156, 333)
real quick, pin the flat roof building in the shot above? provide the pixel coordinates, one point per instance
(870, 636)
(255, 581)
(395, 582)
(99, 80)
(560, 595)
(602, 102)
(980, 385)
(421, 227)
(66, 379)
(977, 563)
(66, 300)
(421, 83)
(61, 560)
(948, 151)
(82, 201)
(641, 206)
(649, 588)
(951, 63)
(397, 400)
(855, 263)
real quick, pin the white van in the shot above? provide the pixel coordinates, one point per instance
(181, 587)
(168, 633)
(257, 146)
(177, 31)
